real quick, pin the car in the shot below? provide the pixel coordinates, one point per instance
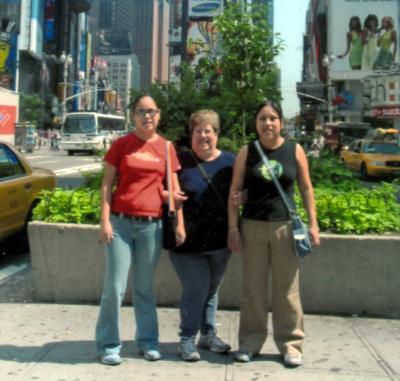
(340, 134)
(384, 134)
(372, 158)
(20, 184)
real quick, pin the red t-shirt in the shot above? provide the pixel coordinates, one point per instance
(141, 171)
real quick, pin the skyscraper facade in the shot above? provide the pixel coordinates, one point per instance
(151, 20)
(114, 26)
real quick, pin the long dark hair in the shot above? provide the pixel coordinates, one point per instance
(358, 25)
(275, 105)
(369, 18)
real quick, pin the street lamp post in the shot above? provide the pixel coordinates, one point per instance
(327, 62)
(66, 60)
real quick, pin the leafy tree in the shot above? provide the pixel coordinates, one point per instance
(246, 65)
(233, 83)
(30, 108)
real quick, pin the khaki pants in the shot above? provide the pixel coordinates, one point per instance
(267, 246)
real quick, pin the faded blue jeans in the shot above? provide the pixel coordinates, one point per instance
(201, 276)
(139, 243)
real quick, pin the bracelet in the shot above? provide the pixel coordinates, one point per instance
(233, 230)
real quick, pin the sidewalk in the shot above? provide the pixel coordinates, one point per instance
(53, 342)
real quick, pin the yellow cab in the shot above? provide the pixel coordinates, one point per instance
(383, 134)
(372, 158)
(20, 184)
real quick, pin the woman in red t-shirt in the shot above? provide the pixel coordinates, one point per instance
(131, 227)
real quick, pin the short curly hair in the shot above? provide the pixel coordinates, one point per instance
(204, 116)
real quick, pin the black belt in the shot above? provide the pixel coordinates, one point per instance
(137, 218)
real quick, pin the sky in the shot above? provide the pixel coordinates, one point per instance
(289, 21)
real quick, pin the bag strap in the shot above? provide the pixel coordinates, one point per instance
(208, 179)
(170, 188)
(282, 193)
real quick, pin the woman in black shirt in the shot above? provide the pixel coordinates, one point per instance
(265, 238)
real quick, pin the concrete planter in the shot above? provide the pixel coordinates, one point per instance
(346, 275)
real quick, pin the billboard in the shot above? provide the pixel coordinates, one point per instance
(31, 33)
(205, 9)
(201, 40)
(8, 114)
(9, 20)
(363, 36)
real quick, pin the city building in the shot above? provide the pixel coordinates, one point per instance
(150, 20)
(113, 26)
(349, 54)
(124, 71)
(47, 51)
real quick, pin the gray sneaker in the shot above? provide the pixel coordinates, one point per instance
(213, 343)
(187, 349)
(242, 356)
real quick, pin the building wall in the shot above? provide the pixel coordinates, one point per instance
(122, 72)
(163, 50)
(143, 39)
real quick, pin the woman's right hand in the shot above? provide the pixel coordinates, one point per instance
(106, 232)
(234, 240)
(179, 198)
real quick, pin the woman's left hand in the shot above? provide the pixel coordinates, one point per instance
(180, 234)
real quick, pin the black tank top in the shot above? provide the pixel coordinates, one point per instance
(263, 199)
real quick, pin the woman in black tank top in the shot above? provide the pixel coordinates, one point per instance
(265, 238)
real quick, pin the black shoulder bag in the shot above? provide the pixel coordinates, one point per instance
(169, 211)
(208, 179)
(301, 237)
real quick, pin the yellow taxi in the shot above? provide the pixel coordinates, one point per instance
(19, 187)
(372, 158)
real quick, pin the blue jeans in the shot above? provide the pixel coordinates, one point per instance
(140, 243)
(201, 276)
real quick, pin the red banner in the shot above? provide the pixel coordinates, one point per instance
(386, 112)
(8, 116)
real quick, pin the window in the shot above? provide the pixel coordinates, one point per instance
(79, 124)
(9, 163)
(110, 124)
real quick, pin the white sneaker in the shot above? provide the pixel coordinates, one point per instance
(152, 354)
(187, 349)
(213, 343)
(293, 359)
(110, 359)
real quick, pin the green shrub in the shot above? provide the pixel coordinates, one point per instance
(80, 206)
(344, 204)
(357, 211)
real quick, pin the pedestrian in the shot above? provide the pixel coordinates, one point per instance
(265, 240)
(131, 227)
(201, 260)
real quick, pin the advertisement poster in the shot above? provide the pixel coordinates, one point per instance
(201, 40)
(9, 16)
(174, 68)
(8, 115)
(363, 36)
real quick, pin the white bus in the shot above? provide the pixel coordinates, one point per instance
(90, 131)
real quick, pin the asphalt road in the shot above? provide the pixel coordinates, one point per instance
(68, 169)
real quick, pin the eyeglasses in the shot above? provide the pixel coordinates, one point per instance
(152, 112)
(200, 131)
